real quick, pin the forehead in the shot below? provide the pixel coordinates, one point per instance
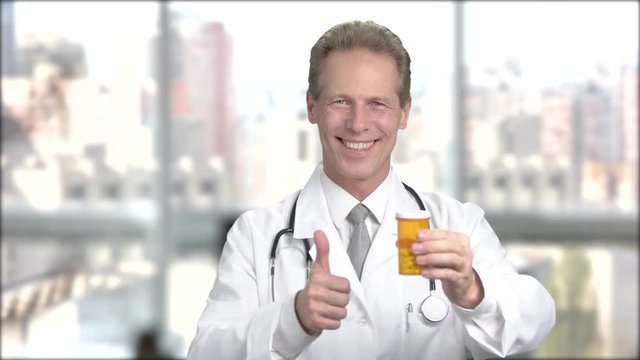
(359, 57)
(359, 69)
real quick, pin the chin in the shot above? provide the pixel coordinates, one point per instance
(357, 174)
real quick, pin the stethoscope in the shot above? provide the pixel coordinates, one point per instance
(433, 307)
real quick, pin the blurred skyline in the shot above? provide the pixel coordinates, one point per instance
(541, 132)
(284, 51)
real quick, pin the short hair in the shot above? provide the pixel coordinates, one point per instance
(357, 34)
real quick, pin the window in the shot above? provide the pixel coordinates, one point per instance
(76, 146)
(548, 115)
(110, 204)
(302, 145)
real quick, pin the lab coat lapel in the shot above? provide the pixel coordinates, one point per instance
(311, 211)
(340, 263)
(312, 214)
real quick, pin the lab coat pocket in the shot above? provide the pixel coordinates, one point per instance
(415, 294)
(420, 333)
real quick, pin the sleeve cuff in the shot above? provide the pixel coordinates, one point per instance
(486, 309)
(289, 338)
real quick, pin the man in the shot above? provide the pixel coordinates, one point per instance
(359, 81)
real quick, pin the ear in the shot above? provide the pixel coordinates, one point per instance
(405, 114)
(311, 108)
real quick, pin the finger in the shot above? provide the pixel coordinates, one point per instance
(322, 251)
(328, 317)
(432, 234)
(434, 246)
(335, 312)
(340, 285)
(441, 260)
(336, 299)
(328, 324)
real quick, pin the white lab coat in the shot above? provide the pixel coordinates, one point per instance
(239, 319)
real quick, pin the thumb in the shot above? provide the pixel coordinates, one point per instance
(322, 250)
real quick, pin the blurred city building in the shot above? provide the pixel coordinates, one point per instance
(572, 136)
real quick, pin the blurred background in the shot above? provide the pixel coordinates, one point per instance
(133, 134)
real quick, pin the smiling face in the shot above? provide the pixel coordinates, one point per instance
(358, 114)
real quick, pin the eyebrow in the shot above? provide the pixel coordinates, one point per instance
(384, 99)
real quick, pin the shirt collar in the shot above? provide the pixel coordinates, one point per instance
(340, 202)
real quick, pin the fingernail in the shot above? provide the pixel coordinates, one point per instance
(416, 247)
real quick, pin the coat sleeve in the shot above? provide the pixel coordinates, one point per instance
(517, 312)
(233, 325)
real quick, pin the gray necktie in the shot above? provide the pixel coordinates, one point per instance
(360, 240)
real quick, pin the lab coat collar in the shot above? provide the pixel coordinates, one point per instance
(341, 202)
(311, 212)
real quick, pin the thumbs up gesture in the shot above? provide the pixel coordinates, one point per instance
(322, 304)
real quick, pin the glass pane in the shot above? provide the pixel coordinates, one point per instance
(551, 106)
(77, 178)
(551, 138)
(595, 287)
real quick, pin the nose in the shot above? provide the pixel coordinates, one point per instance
(358, 120)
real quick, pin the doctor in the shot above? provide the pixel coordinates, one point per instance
(318, 303)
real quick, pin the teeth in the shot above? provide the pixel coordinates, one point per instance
(357, 145)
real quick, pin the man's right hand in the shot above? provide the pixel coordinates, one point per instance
(322, 304)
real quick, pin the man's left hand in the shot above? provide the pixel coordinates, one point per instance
(447, 256)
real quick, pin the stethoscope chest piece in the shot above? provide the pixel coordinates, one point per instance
(434, 308)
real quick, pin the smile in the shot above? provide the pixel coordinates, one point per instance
(355, 145)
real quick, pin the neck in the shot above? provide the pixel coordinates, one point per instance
(358, 188)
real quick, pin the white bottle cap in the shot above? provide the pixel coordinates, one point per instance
(413, 214)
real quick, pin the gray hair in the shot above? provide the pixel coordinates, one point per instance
(358, 34)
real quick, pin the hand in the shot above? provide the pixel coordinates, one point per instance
(447, 256)
(322, 304)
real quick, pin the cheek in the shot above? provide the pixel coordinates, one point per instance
(390, 127)
(330, 123)
(326, 135)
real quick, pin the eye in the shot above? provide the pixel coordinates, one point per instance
(378, 104)
(339, 102)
